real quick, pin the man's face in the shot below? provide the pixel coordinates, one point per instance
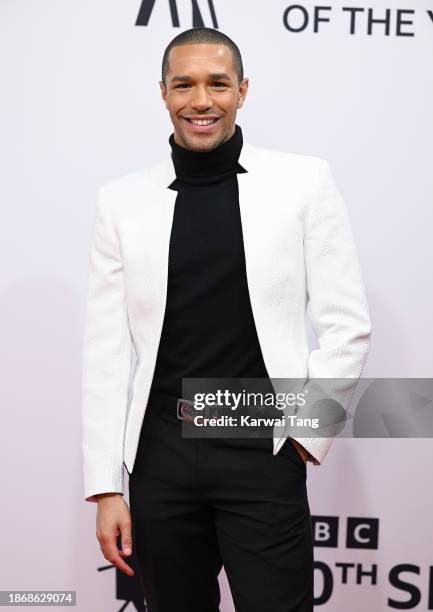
(202, 83)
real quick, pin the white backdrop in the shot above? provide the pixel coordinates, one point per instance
(80, 105)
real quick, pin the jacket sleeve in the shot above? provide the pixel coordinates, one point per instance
(338, 308)
(106, 360)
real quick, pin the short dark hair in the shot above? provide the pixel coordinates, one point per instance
(201, 36)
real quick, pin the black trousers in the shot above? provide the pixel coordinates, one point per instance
(200, 504)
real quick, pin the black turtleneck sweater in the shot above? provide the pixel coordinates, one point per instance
(208, 329)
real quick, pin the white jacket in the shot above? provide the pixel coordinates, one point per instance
(298, 247)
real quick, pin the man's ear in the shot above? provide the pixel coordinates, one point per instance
(163, 92)
(243, 90)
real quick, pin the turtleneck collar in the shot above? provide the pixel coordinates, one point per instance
(207, 167)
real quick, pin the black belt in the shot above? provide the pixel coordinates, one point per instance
(183, 408)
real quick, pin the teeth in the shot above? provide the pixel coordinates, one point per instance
(202, 122)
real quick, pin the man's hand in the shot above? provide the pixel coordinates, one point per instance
(301, 450)
(113, 518)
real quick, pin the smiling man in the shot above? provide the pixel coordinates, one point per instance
(205, 263)
(200, 68)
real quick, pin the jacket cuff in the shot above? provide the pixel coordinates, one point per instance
(102, 479)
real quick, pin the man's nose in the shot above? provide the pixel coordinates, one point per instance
(201, 98)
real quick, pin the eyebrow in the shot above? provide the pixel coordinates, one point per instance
(217, 76)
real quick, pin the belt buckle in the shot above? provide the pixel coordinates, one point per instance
(181, 407)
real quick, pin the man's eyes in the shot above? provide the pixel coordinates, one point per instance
(182, 85)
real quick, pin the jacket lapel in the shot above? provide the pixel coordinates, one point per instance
(257, 201)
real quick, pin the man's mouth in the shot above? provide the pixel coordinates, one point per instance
(202, 121)
(201, 125)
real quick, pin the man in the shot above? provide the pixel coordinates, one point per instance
(205, 264)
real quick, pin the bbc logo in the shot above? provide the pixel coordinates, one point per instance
(361, 532)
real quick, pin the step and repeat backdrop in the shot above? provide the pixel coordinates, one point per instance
(81, 105)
